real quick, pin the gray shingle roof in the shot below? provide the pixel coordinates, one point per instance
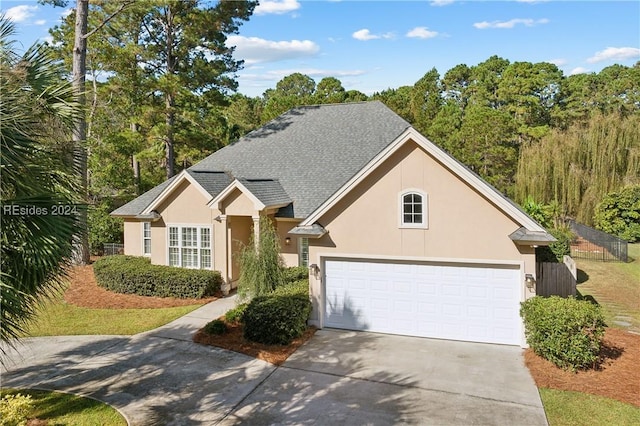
(212, 182)
(303, 156)
(312, 151)
(137, 205)
(268, 191)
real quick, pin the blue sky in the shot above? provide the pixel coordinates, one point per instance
(374, 45)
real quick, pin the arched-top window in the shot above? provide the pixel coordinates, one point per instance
(413, 209)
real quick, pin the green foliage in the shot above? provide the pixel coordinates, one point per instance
(136, 275)
(538, 211)
(619, 213)
(216, 327)
(567, 332)
(37, 184)
(261, 265)
(296, 273)
(103, 228)
(556, 251)
(293, 288)
(276, 319)
(14, 409)
(234, 315)
(578, 166)
(56, 408)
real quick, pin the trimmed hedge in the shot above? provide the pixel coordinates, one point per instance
(296, 273)
(216, 327)
(276, 319)
(567, 332)
(299, 287)
(136, 275)
(234, 315)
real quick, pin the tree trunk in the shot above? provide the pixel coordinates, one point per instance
(80, 128)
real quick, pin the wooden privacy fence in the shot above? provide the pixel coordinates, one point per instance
(556, 279)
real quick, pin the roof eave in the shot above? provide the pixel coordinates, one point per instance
(309, 231)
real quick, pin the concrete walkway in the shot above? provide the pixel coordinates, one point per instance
(339, 377)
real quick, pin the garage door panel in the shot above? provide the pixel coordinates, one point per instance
(462, 302)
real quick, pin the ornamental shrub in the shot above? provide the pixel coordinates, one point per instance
(136, 275)
(14, 409)
(235, 315)
(261, 265)
(276, 319)
(296, 273)
(216, 327)
(555, 251)
(567, 332)
(619, 213)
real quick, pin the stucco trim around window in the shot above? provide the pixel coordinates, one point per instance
(413, 209)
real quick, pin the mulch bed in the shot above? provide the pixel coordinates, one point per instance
(233, 340)
(84, 291)
(616, 377)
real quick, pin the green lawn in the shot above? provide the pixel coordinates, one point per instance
(614, 286)
(566, 408)
(58, 318)
(65, 409)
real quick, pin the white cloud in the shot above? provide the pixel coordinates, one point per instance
(558, 62)
(441, 2)
(578, 70)
(277, 7)
(510, 24)
(275, 75)
(20, 13)
(66, 12)
(615, 54)
(422, 32)
(256, 50)
(40, 22)
(364, 35)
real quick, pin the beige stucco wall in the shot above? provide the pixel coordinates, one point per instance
(186, 205)
(132, 238)
(462, 224)
(289, 252)
(237, 203)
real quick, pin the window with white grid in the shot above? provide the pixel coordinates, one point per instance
(190, 247)
(413, 210)
(146, 238)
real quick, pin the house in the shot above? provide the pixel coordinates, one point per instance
(399, 237)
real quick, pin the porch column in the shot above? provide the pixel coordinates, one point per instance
(224, 243)
(256, 229)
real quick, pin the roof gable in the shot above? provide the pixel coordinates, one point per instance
(263, 193)
(486, 190)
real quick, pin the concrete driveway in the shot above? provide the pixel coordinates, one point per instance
(357, 378)
(162, 378)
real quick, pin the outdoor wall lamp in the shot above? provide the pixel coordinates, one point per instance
(287, 241)
(315, 269)
(529, 281)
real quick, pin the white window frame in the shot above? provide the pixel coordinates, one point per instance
(425, 210)
(146, 238)
(201, 244)
(302, 244)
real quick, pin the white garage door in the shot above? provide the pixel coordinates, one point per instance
(445, 301)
